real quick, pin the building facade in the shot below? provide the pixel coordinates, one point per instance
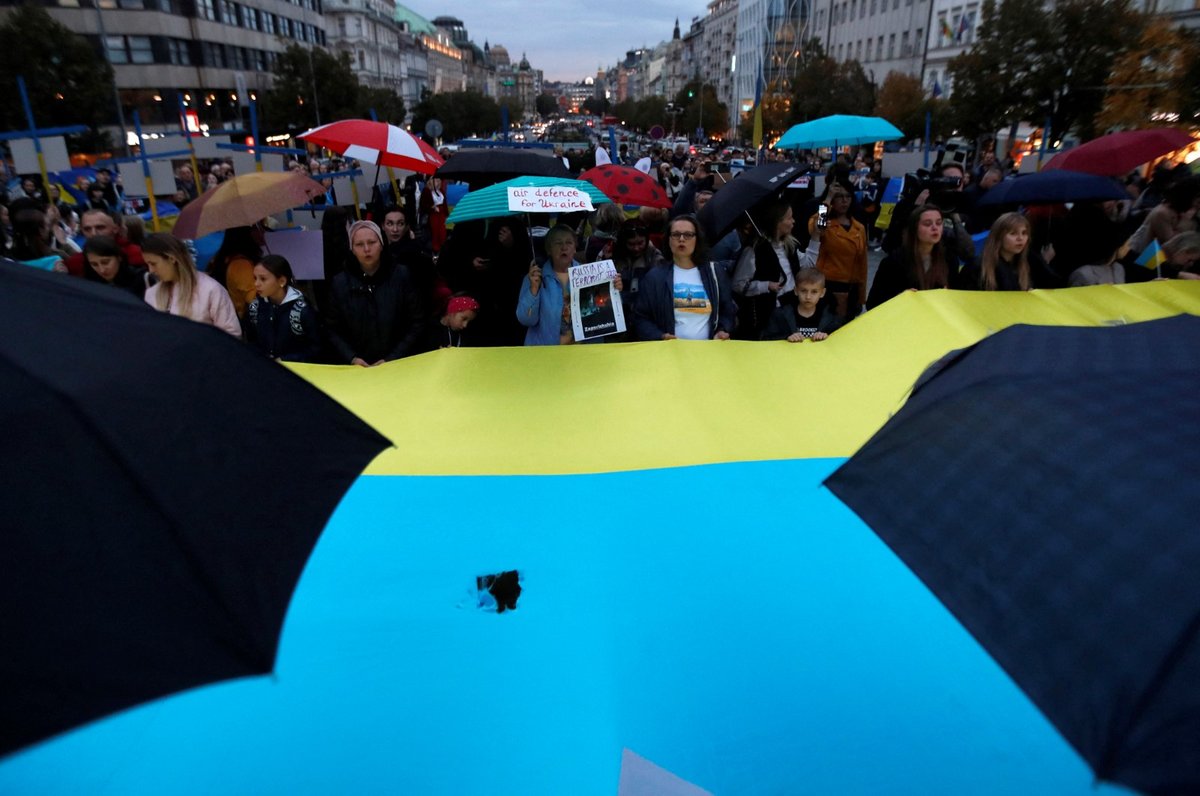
(883, 35)
(204, 50)
(770, 37)
(367, 31)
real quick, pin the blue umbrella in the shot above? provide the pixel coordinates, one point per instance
(837, 131)
(1081, 588)
(1052, 187)
(492, 201)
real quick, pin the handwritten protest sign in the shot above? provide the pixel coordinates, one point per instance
(596, 309)
(548, 200)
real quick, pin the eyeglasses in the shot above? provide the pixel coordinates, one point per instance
(682, 235)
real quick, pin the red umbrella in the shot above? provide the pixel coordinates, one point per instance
(627, 186)
(1116, 154)
(379, 143)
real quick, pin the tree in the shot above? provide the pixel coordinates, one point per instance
(1150, 83)
(67, 80)
(823, 87)
(993, 82)
(546, 105)
(1031, 63)
(701, 108)
(462, 113)
(596, 106)
(903, 102)
(292, 105)
(387, 104)
(643, 114)
(1089, 37)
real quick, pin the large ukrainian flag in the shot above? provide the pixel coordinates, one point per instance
(690, 592)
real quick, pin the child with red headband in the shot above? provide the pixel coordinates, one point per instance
(447, 331)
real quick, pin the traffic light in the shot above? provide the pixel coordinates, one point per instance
(691, 93)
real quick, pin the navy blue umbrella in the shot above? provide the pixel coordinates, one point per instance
(1036, 485)
(1053, 187)
(163, 486)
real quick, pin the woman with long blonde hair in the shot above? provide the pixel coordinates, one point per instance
(182, 290)
(1004, 264)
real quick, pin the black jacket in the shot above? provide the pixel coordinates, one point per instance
(374, 317)
(287, 331)
(896, 275)
(785, 322)
(654, 307)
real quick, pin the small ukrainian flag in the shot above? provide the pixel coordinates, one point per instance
(1153, 256)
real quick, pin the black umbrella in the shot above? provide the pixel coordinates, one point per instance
(483, 167)
(753, 186)
(1053, 187)
(163, 486)
(1040, 484)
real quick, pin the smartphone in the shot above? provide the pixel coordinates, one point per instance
(822, 215)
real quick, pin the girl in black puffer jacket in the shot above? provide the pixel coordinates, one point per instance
(280, 323)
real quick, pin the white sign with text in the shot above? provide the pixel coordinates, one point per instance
(548, 200)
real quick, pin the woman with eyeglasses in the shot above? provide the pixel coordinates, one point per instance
(687, 298)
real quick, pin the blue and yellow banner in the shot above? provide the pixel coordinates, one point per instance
(689, 590)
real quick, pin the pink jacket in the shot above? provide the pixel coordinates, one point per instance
(210, 305)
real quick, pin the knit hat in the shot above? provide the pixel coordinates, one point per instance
(357, 225)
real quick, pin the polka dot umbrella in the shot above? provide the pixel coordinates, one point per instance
(627, 186)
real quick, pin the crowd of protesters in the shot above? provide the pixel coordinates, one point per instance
(398, 283)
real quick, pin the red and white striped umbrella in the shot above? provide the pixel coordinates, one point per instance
(378, 143)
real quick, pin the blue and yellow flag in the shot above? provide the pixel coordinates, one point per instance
(689, 590)
(1152, 256)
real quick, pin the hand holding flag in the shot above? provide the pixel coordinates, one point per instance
(1152, 257)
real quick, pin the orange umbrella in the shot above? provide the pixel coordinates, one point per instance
(244, 200)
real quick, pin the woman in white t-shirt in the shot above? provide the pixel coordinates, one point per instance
(687, 297)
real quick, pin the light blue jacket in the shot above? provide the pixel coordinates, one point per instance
(542, 313)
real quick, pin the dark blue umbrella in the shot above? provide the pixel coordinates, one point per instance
(148, 545)
(1053, 187)
(1028, 484)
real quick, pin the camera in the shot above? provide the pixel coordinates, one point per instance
(944, 192)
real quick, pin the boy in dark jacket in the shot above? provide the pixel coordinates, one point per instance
(810, 319)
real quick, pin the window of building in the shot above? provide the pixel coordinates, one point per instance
(251, 18)
(260, 60)
(874, 6)
(228, 12)
(919, 41)
(140, 50)
(285, 27)
(858, 50)
(892, 45)
(131, 4)
(114, 48)
(268, 23)
(879, 48)
(362, 60)
(178, 52)
(205, 10)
